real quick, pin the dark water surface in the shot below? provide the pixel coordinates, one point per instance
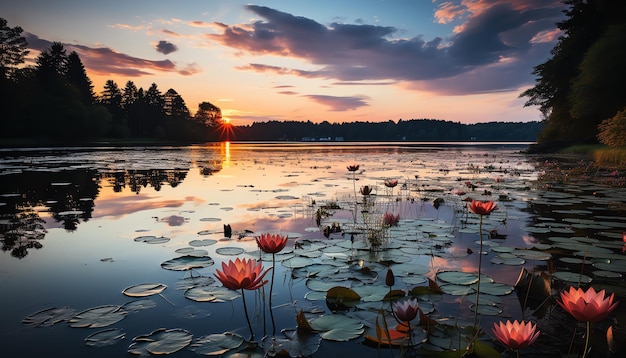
(80, 225)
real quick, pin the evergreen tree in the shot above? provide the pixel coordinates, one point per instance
(13, 48)
(78, 80)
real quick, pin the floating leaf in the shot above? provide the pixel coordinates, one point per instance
(139, 305)
(184, 263)
(150, 239)
(49, 317)
(211, 294)
(216, 344)
(98, 317)
(337, 327)
(302, 322)
(229, 251)
(199, 243)
(342, 293)
(160, 341)
(572, 277)
(144, 289)
(458, 277)
(105, 337)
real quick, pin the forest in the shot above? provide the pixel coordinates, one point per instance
(577, 90)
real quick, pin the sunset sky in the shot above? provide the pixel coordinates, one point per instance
(336, 60)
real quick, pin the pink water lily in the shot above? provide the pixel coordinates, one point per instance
(242, 274)
(406, 310)
(587, 306)
(271, 243)
(516, 335)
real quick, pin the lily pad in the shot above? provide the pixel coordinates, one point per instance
(98, 317)
(205, 242)
(144, 289)
(216, 344)
(49, 316)
(337, 327)
(229, 251)
(105, 337)
(211, 294)
(572, 277)
(150, 239)
(160, 341)
(185, 263)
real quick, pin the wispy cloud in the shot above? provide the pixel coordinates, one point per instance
(337, 103)
(106, 61)
(495, 39)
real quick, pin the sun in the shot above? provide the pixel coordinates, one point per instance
(225, 129)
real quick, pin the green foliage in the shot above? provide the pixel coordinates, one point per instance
(580, 85)
(611, 157)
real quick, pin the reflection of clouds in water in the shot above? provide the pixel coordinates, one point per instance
(121, 206)
(529, 240)
(174, 220)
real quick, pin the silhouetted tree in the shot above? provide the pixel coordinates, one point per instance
(208, 115)
(13, 48)
(78, 80)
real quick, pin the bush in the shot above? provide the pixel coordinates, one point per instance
(612, 131)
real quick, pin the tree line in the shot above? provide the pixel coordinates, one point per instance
(402, 130)
(54, 101)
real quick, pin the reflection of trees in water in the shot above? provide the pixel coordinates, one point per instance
(68, 195)
(135, 180)
(209, 167)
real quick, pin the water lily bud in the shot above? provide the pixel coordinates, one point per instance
(390, 279)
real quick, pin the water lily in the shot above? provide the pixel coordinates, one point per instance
(390, 183)
(516, 335)
(390, 219)
(242, 274)
(353, 167)
(271, 243)
(406, 310)
(483, 207)
(589, 306)
(366, 190)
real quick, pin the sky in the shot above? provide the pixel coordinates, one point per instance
(301, 60)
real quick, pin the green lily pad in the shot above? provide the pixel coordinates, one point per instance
(98, 317)
(139, 305)
(205, 242)
(337, 327)
(216, 344)
(572, 277)
(160, 341)
(185, 263)
(458, 277)
(144, 289)
(105, 337)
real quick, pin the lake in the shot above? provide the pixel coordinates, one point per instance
(108, 250)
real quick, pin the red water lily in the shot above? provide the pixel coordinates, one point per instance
(406, 310)
(483, 207)
(353, 167)
(589, 306)
(242, 274)
(516, 335)
(390, 183)
(366, 190)
(271, 243)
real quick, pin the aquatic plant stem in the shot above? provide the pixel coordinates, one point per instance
(245, 310)
(588, 332)
(480, 256)
(270, 299)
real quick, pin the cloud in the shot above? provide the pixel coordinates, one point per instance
(340, 103)
(106, 61)
(496, 37)
(165, 47)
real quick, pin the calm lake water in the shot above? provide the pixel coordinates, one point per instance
(80, 226)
